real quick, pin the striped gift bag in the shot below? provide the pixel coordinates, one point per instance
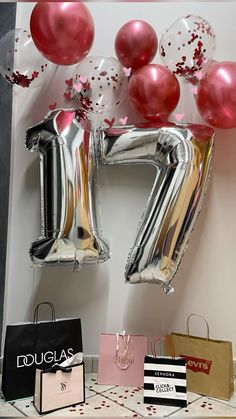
(164, 379)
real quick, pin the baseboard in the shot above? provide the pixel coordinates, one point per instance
(91, 364)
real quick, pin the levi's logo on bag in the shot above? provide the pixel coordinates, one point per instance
(198, 364)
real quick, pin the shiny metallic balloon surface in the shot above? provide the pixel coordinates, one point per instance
(182, 156)
(69, 160)
(70, 229)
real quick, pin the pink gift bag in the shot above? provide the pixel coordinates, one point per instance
(121, 359)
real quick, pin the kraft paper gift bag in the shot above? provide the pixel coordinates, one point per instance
(209, 363)
(121, 359)
(36, 345)
(61, 385)
(164, 379)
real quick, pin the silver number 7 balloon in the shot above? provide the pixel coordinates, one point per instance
(182, 156)
(68, 164)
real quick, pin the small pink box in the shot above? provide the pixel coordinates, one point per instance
(59, 389)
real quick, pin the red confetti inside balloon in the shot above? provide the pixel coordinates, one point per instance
(103, 84)
(21, 64)
(187, 45)
(62, 31)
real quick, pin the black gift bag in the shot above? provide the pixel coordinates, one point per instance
(36, 345)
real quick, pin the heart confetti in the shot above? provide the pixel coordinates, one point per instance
(127, 71)
(194, 89)
(109, 123)
(83, 79)
(78, 87)
(123, 120)
(179, 116)
(68, 95)
(53, 106)
(198, 75)
(69, 82)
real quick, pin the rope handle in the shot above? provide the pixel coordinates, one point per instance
(126, 340)
(203, 318)
(159, 339)
(36, 311)
(122, 360)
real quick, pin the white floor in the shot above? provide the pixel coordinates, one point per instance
(109, 401)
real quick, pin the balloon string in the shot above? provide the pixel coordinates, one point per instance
(35, 281)
(163, 332)
(32, 306)
(95, 145)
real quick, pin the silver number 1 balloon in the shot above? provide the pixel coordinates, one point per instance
(70, 233)
(182, 157)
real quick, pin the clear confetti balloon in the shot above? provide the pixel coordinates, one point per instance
(99, 84)
(21, 63)
(187, 45)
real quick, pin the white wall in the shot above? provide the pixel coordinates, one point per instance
(205, 282)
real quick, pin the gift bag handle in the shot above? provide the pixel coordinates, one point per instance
(36, 311)
(126, 341)
(159, 339)
(197, 315)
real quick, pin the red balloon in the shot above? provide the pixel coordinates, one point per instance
(136, 44)
(154, 91)
(63, 32)
(216, 94)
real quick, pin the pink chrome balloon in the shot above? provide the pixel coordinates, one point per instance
(62, 31)
(154, 91)
(136, 44)
(216, 95)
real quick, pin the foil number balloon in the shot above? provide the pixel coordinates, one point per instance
(182, 157)
(70, 232)
(68, 163)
